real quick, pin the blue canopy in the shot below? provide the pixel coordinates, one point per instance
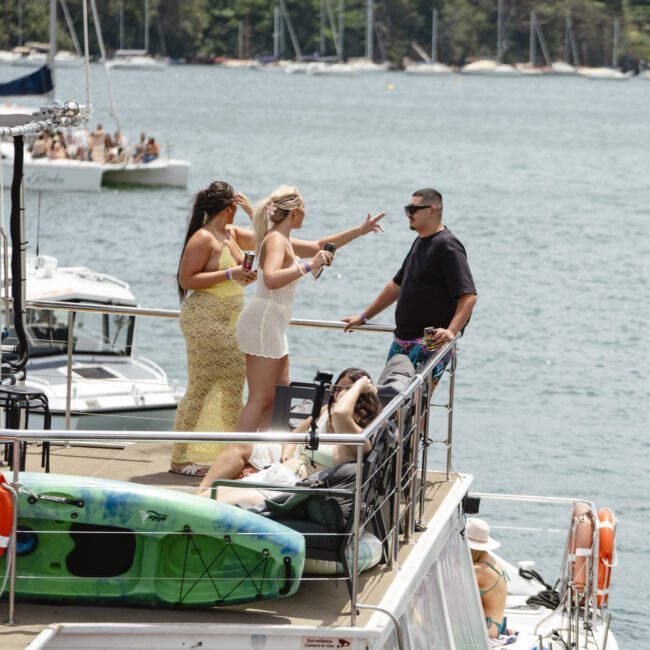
(36, 83)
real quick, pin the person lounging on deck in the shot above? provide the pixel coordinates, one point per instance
(352, 405)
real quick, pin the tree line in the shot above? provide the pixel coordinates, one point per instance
(198, 30)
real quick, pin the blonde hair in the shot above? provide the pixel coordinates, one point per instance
(273, 209)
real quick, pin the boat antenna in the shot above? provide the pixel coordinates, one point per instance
(322, 380)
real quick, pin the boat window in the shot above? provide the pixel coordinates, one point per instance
(47, 333)
(103, 334)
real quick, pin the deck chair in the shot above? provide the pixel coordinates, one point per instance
(324, 511)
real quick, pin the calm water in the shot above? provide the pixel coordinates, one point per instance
(545, 181)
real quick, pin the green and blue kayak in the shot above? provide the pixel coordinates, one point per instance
(99, 541)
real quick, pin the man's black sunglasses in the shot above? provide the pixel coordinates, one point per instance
(412, 209)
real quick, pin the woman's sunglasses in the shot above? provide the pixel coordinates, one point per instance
(410, 210)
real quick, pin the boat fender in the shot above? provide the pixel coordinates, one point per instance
(606, 551)
(6, 514)
(581, 542)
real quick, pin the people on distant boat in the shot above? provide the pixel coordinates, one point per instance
(492, 579)
(97, 144)
(78, 143)
(261, 328)
(140, 148)
(433, 288)
(120, 147)
(353, 404)
(41, 145)
(152, 151)
(211, 269)
(57, 148)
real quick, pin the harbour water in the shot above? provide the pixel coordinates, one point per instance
(546, 183)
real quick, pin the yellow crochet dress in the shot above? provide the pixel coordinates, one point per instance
(216, 369)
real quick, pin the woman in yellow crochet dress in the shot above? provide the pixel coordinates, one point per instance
(211, 269)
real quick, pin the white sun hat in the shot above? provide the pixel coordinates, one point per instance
(477, 532)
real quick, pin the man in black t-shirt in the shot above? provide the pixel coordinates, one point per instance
(433, 288)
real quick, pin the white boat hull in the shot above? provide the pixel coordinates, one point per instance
(429, 69)
(43, 174)
(56, 175)
(171, 173)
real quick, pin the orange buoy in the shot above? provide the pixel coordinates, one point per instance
(6, 515)
(606, 542)
(582, 536)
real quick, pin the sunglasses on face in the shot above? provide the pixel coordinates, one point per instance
(410, 210)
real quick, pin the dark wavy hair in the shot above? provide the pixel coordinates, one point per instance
(208, 202)
(368, 405)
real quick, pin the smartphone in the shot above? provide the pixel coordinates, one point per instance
(248, 261)
(330, 248)
(429, 332)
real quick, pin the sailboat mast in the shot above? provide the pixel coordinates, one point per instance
(370, 10)
(122, 25)
(146, 26)
(532, 54)
(615, 45)
(292, 33)
(21, 12)
(52, 51)
(434, 37)
(102, 51)
(276, 33)
(499, 30)
(71, 29)
(341, 28)
(322, 28)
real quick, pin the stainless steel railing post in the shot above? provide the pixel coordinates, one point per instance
(425, 451)
(394, 564)
(450, 409)
(68, 377)
(14, 534)
(413, 462)
(355, 535)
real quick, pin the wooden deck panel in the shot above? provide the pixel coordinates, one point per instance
(317, 603)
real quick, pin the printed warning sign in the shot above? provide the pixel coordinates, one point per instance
(321, 642)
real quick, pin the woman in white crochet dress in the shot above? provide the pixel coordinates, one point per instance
(262, 325)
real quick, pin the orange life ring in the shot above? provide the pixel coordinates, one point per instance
(606, 540)
(6, 515)
(582, 536)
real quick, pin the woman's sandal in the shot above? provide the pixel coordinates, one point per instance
(191, 469)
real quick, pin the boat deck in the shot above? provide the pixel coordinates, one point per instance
(317, 603)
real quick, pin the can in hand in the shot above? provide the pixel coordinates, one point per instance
(429, 333)
(248, 261)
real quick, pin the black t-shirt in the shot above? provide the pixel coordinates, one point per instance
(433, 276)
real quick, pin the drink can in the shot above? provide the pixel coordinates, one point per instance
(248, 261)
(428, 338)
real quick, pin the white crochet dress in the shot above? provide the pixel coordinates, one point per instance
(262, 324)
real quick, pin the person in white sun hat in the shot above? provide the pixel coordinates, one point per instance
(490, 576)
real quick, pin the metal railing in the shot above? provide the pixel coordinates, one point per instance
(410, 409)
